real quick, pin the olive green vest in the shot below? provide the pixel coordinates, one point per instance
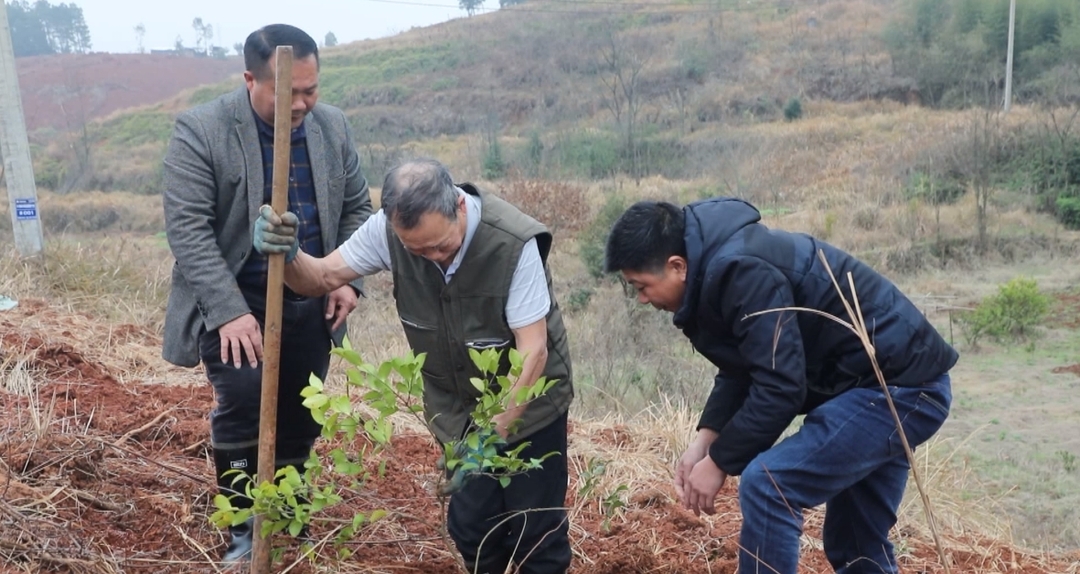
(445, 320)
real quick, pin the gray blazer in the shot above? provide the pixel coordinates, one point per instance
(213, 189)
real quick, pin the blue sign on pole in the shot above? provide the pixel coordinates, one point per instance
(25, 209)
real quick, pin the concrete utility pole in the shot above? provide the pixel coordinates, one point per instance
(1009, 58)
(15, 151)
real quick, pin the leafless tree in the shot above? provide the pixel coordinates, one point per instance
(620, 74)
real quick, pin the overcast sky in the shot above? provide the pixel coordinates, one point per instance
(112, 22)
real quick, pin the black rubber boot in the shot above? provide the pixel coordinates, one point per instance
(244, 459)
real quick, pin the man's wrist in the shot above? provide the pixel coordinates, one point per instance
(706, 436)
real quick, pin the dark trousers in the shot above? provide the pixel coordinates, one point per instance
(524, 523)
(849, 456)
(305, 349)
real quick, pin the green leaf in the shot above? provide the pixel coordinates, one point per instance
(517, 361)
(241, 516)
(479, 384)
(352, 357)
(385, 369)
(377, 514)
(355, 378)
(477, 360)
(314, 381)
(316, 401)
(341, 404)
(222, 502)
(492, 358)
(504, 481)
(294, 528)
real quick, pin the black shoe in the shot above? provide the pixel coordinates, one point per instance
(239, 549)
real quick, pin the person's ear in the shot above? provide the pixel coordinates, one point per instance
(677, 264)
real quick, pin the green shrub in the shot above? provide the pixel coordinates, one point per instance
(793, 110)
(298, 498)
(588, 154)
(48, 171)
(494, 166)
(593, 239)
(657, 155)
(1008, 316)
(934, 189)
(534, 153)
(1068, 211)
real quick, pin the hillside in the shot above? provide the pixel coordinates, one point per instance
(570, 79)
(62, 92)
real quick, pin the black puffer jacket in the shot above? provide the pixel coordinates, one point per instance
(781, 364)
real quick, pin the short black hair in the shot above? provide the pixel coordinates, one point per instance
(261, 44)
(416, 187)
(644, 237)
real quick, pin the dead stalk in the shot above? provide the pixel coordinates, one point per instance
(858, 327)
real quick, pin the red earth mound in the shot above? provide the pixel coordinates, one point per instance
(66, 90)
(102, 473)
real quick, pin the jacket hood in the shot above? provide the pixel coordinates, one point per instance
(709, 224)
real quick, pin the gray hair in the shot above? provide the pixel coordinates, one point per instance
(416, 187)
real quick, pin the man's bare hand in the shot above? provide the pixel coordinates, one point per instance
(697, 450)
(504, 420)
(241, 333)
(339, 304)
(700, 488)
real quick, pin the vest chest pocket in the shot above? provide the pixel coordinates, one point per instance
(411, 324)
(483, 344)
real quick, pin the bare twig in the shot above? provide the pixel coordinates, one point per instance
(46, 556)
(178, 471)
(97, 502)
(146, 426)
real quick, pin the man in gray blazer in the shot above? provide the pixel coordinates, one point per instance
(218, 171)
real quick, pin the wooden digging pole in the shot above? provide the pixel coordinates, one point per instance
(275, 283)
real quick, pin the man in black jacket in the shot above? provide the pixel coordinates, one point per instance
(716, 267)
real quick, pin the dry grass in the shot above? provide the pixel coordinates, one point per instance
(561, 206)
(85, 212)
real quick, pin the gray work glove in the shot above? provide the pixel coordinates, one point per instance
(275, 233)
(471, 453)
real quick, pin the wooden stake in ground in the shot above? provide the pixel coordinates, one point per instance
(275, 282)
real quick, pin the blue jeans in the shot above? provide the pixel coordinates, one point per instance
(847, 455)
